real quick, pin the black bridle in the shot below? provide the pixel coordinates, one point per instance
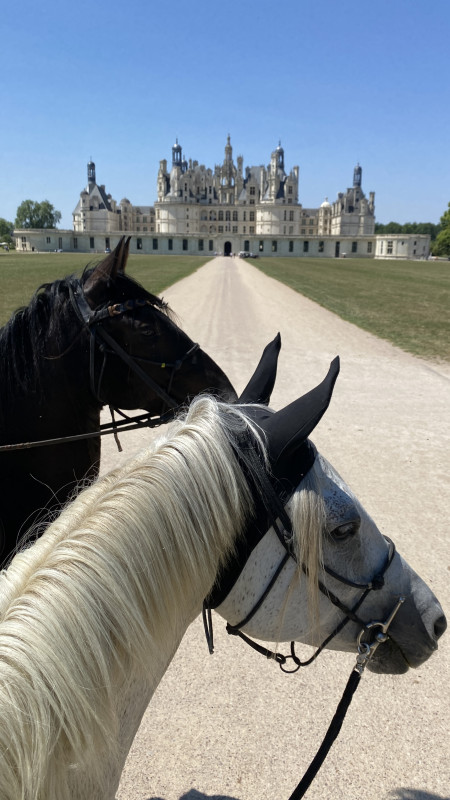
(371, 635)
(106, 344)
(102, 341)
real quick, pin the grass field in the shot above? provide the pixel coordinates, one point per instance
(22, 273)
(407, 303)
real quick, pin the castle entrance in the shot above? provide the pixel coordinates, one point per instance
(227, 249)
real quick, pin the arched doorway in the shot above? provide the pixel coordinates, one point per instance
(227, 249)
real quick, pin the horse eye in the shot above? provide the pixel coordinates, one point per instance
(147, 332)
(346, 530)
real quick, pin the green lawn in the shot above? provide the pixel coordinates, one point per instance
(22, 273)
(407, 303)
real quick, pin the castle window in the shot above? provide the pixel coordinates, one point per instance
(220, 228)
(48, 240)
(369, 247)
(139, 244)
(75, 243)
(305, 247)
(235, 229)
(354, 247)
(302, 230)
(274, 246)
(246, 245)
(91, 242)
(252, 216)
(291, 246)
(261, 246)
(227, 216)
(291, 216)
(390, 247)
(220, 215)
(251, 229)
(210, 244)
(321, 246)
(170, 244)
(235, 216)
(155, 244)
(289, 189)
(185, 244)
(200, 244)
(252, 190)
(252, 202)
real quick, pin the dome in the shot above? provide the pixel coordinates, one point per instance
(325, 204)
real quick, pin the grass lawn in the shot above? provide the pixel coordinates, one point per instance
(407, 303)
(22, 273)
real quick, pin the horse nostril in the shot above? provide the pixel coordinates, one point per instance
(440, 626)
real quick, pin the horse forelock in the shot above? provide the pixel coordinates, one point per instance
(124, 287)
(97, 593)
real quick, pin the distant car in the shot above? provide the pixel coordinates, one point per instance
(253, 255)
(107, 249)
(243, 254)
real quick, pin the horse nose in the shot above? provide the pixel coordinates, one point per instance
(440, 626)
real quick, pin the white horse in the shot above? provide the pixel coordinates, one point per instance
(93, 612)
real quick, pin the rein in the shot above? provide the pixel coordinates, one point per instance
(369, 637)
(99, 337)
(92, 321)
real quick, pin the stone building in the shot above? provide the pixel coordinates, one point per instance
(227, 209)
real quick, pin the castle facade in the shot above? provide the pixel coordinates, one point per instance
(229, 209)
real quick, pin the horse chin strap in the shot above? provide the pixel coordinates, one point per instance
(372, 634)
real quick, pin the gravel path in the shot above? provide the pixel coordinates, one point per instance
(232, 726)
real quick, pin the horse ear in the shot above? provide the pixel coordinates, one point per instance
(107, 270)
(260, 385)
(288, 429)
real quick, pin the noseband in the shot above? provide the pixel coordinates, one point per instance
(278, 519)
(92, 320)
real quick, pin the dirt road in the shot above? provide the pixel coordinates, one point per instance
(232, 726)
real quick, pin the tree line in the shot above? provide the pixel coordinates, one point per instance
(440, 233)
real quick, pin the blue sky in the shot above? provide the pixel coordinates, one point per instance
(338, 82)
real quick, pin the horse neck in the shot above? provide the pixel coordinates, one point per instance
(45, 384)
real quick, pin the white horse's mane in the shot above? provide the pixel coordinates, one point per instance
(92, 598)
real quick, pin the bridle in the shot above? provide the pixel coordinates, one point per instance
(100, 339)
(371, 635)
(277, 519)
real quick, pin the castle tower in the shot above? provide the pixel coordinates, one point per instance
(176, 155)
(357, 176)
(91, 172)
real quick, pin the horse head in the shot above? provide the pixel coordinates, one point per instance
(339, 581)
(146, 358)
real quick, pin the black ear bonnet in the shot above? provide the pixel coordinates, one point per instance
(291, 455)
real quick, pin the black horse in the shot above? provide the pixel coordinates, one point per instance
(80, 345)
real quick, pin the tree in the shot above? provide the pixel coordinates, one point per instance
(31, 214)
(442, 244)
(6, 229)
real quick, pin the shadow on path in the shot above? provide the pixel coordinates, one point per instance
(412, 794)
(195, 795)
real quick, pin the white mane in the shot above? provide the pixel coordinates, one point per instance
(94, 596)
